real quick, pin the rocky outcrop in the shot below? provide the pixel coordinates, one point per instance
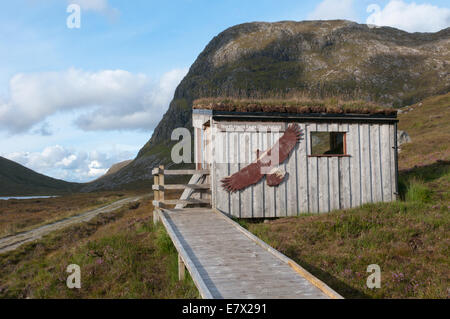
(402, 138)
(315, 58)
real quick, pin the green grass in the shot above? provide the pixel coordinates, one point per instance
(418, 191)
(428, 124)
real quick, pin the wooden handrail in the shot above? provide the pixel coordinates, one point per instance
(159, 187)
(182, 186)
(161, 203)
(161, 170)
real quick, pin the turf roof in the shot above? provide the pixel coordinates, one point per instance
(293, 106)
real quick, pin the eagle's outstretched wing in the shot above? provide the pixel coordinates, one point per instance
(283, 146)
(247, 176)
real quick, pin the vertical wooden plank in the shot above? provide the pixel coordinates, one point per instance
(284, 185)
(161, 182)
(291, 183)
(323, 184)
(366, 170)
(181, 269)
(234, 167)
(199, 148)
(212, 161)
(245, 156)
(280, 190)
(258, 196)
(392, 148)
(323, 177)
(334, 173)
(222, 195)
(353, 147)
(333, 176)
(345, 191)
(202, 148)
(386, 162)
(195, 147)
(377, 189)
(156, 182)
(269, 191)
(345, 181)
(313, 177)
(263, 146)
(302, 161)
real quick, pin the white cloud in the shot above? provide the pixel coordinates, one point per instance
(63, 163)
(333, 9)
(43, 130)
(410, 17)
(108, 99)
(101, 6)
(94, 5)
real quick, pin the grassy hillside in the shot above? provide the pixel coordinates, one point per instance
(408, 239)
(428, 124)
(16, 179)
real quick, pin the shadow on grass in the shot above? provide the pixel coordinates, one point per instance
(426, 173)
(337, 285)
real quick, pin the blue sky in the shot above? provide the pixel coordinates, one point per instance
(75, 101)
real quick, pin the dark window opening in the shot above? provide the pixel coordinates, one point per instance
(328, 144)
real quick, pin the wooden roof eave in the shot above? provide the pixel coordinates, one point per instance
(278, 116)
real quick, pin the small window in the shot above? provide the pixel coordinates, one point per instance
(328, 144)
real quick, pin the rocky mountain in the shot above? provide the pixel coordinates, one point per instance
(16, 180)
(319, 59)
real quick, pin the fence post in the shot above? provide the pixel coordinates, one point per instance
(161, 182)
(181, 269)
(156, 198)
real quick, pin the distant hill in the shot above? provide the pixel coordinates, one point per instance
(115, 168)
(16, 180)
(319, 59)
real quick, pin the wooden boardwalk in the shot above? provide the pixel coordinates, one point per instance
(226, 261)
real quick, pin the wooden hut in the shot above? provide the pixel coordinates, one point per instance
(345, 156)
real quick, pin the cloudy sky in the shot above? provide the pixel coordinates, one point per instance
(74, 101)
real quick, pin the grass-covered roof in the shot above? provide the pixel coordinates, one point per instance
(298, 106)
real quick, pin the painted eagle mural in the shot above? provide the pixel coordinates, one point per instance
(266, 164)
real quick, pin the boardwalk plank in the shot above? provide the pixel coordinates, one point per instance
(227, 263)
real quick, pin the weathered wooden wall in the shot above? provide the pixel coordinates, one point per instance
(312, 184)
